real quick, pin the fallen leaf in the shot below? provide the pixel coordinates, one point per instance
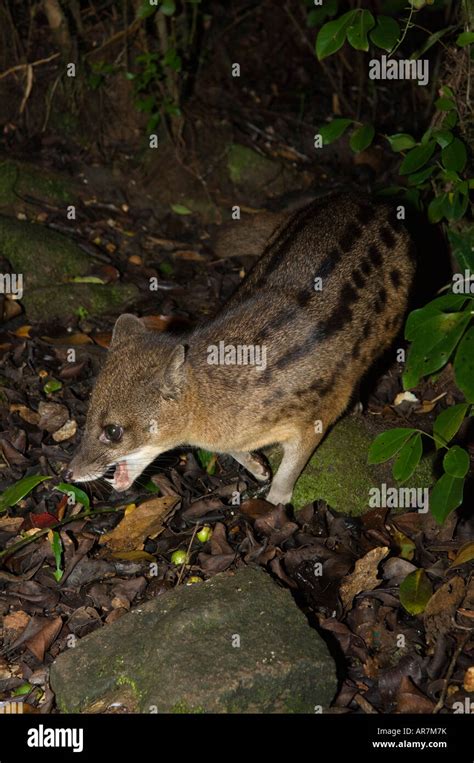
(68, 340)
(66, 432)
(415, 592)
(411, 700)
(440, 609)
(145, 521)
(32, 417)
(464, 555)
(13, 625)
(364, 577)
(43, 638)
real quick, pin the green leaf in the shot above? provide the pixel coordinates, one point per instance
(80, 496)
(57, 547)
(464, 555)
(359, 29)
(408, 458)
(386, 33)
(417, 157)
(16, 492)
(207, 460)
(318, 15)
(415, 592)
(388, 444)
(53, 385)
(447, 495)
(417, 178)
(401, 141)
(429, 42)
(455, 205)
(145, 10)
(180, 209)
(465, 38)
(436, 208)
(445, 104)
(447, 302)
(433, 344)
(443, 137)
(334, 130)
(168, 7)
(20, 691)
(456, 462)
(331, 36)
(462, 245)
(362, 138)
(454, 156)
(464, 365)
(448, 422)
(450, 120)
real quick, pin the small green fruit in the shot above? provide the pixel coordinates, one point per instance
(179, 557)
(204, 534)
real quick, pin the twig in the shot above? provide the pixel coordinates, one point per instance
(450, 672)
(18, 67)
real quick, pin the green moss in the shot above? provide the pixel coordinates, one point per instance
(20, 179)
(64, 300)
(126, 681)
(182, 708)
(246, 166)
(339, 474)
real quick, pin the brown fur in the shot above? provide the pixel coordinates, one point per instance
(318, 346)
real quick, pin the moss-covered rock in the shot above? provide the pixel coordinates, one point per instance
(21, 181)
(47, 261)
(237, 643)
(339, 474)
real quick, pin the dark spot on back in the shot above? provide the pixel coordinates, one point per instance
(364, 215)
(387, 237)
(366, 331)
(350, 236)
(365, 266)
(329, 263)
(374, 255)
(358, 278)
(395, 277)
(303, 297)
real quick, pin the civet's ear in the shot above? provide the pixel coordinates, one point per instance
(126, 326)
(174, 373)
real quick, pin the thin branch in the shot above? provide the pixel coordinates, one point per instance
(19, 67)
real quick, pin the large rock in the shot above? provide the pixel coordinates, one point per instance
(339, 473)
(47, 261)
(237, 643)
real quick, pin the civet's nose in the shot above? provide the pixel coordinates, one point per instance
(67, 473)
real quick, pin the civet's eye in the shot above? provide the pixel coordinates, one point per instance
(113, 432)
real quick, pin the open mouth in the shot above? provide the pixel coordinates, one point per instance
(118, 476)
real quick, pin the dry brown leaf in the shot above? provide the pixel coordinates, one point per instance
(364, 577)
(144, 521)
(23, 331)
(411, 700)
(68, 340)
(26, 413)
(188, 254)
(156, 322)
(42, 640)
(440, 610)
(13, 625)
